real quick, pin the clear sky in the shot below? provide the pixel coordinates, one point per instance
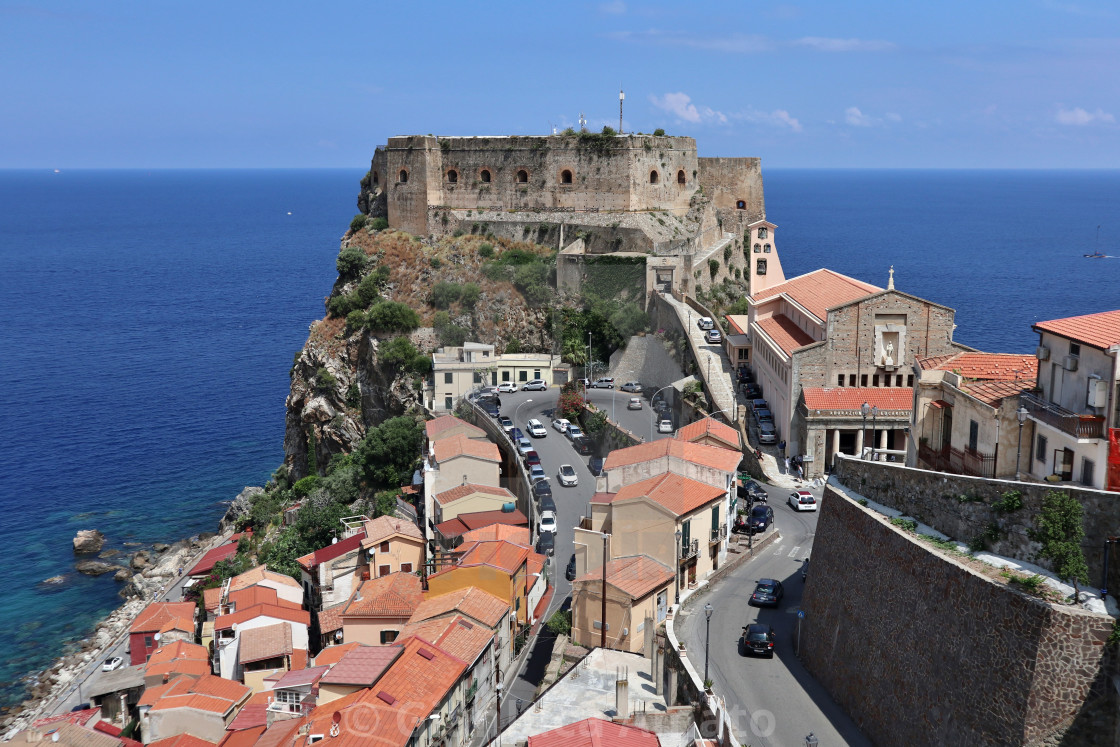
(157, 83)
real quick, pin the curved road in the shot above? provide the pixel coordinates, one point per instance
(774, 702)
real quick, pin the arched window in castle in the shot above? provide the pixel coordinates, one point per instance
(740, 204)
(757, 248)
(760, 266)
(765, 248)
(452, 176)
(565, 177)
(653, 177)
(484, 175)
(403, 176)
(762, 232)
(522, 176)
(680, 177)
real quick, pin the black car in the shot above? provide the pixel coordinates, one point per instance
(490, 408)
(583, 445)
(758, 638)
(751, 492)
(763, 415)
(541, 488)
(756, 520)
(546, 543)
(595, 464)
(768, 593)
(570, 571)
(547, 503)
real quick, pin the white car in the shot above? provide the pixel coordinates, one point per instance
(714, 336)
(524, 446)
(535, 385)
(507, 387)
(802, 500)
(567, 475)
(573, 431)
(115, 662)
(548, 522)
(536, 473)
(561, 424)
(665, 426)
(635, 403)
(705, 322)
(536, 428)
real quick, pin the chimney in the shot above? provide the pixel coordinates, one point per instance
(622, 694)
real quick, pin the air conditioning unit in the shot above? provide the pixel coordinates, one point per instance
(625, 632)
(1042, 353)
(1069, 363)
(1098, 392)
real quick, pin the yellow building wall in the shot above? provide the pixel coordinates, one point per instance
(488, 579)
(327, 693)
(368, 631)
(454, 472)
(473, 503)
(256, 678)
(401, 551)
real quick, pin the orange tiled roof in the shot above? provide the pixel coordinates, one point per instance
(681, 495)
(463, 523)
(819, 290)
(243, 738)
(182, 740)
(462, 491)
(595, 732)
(245, 598)
(985, 366)
(1100, 330)
(211, 598)
(335, 550)
(517, 535)
(503, 555)
(383, 527)
(281, 734)
(362, 665)
(460, 637)
(178, 650)
(636, 575)
(330, 619)
(254, 576)
(993, 392)
(785, 333)
(266, 642)
(262, 610)
(158, 614)
(709, 426)
(191, 667)
(177, 686)
(195, 702)
(333, 654)
(473, 602)
(394, 595)
(449, 448)
(725, 460)
(433, 428)
(218, 687)
(851, 398)
(534, 564)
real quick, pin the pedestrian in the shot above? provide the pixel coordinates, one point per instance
(782, 447)
(787, 465)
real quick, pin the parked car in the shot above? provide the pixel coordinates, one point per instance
(583, 445)
(635, 403)
(567, 476)
(532, 457)
(516, 434)
(595, 464)
(573, 432)
(536, 472)
(634, 387)
(757, 519)
(507, 387)
(705, 322)
(752, 491)
(605, 382)
(763, 415)
(548, 522)
(752, 391)
(524, 446)
(665, 426)
(112, 663)
(802, 500)
(768, 593)
(758, 638)
(490, 408)
(766, 432)
(713, 336)
(536, 428)
(542, 491)
(758, 404)
(506, 423)
(546, 543)
(561, 424)
(535, 385)
(585, 383)
(570, 571)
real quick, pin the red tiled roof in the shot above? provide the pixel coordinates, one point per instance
(301, 677)
(192, 667)
(332, 551)
(69, 735)
(210, 559)
(182, 740)
(595, 732)
(194, 702)
(460, 637)
(534, 564)
(280, 734)
(516, 534)
(384, 527)
(433, 428)
(725, 460)
(362, 665)
(394, 595)
(985, 366)
(681, 495)
(449, 448)
(478, 519)
(211, 598)
(330, 619)
(262, 610)
(462, 491)
(502, 555)
(333, 654)
(77, 718)
(473, 602)
(1100, 330)
(993, 392)
(636, 575)
(266, 642)
(709, 426)
(851, 398)
(220, 688)
(245, 598)
(254, 576)
(177, 686)
(785, 333)
(246, 737)
(252, 715)
(157, 615)
(819, 290)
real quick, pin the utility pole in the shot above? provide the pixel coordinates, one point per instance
(622, 97)
(497, 699)
(603, 629)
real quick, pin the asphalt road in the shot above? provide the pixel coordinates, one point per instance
(774, 702)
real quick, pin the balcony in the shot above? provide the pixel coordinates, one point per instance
(690, 549)
(1070, 423)
(718, 534)
(967, 462)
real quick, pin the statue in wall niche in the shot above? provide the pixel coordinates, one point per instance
(888, 357)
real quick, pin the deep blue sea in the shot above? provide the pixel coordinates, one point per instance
(148, 320)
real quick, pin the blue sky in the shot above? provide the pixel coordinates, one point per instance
(1000, 83)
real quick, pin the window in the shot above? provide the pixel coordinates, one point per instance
(403, 176)
(1087, 469)
(653, 177)
(765, 248)
(388, 636)
(477, 377)
(287, 696)
(447, 377)
(1074, 349)
(1040, 449)
(383, 570)
(452, 176)
(973, 435)
(522, 176)
(375, 177)
(406, 567)
(686, 532)
(680, 177)
(840, 380)
(522, 375)
(449, 402)
(760, 267)
(863, 379)
(536, 373)
(740, 205)
(875, 380)
(484, 175)
(384, 547)
(505, 375)
(565, 177)
(147, 641)
(758, 248)
(910, 380)
(762, 232)
(851, 379)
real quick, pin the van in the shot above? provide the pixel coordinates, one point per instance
(766, 433)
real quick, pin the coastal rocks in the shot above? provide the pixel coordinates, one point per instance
(240, 507)
(122, 575)
(53, 580)
(105, 555)
(161, 547)
(88, 541)
(140, 561)
(206, 536)
(95, 567)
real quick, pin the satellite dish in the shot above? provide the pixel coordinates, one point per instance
(54, 736)
(157, 636)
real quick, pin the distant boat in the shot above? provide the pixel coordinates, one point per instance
(1096, 255)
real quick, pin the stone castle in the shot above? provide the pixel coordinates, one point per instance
(589, 195)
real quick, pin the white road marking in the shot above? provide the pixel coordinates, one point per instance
(793, 552)
(778, 549)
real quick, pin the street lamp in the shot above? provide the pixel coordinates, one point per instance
(677, 568)
(811, 741)
(1022, 417)
(708, 610)
(865, 409)
(874, 429)
(517, 412)
(653, 415)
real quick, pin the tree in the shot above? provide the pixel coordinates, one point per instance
(659, 132)
(570, 405)
(575, 352)
(389, 452)
(444, 294)
(351, 261)
(397, 351)
(629, 320)
(1059, 530)
(392, 316)
(470, 295)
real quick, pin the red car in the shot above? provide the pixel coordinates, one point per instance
(531, 458)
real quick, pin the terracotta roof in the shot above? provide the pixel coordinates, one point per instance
(433, 428)
(449, 448)
(1100, 330)
(279, 734)
(177, 686)
(725, 460)
(739, 323)
(211, 598)
(69, 735)
(312, 560)
(460, 637)
(333, 654)
(709, 426)
(330, 619)
(192, 667)
(384, 527)
(595, 732)
(681, 495)
(394, 595)
(252, 714)
(266, 642)
(254, 576)
(206, 703)
(155, 616)
(851, 398)
(246, 737)
(362, 665)
(462, 491)
(993, 392)
(220, 688)
(602, 497)
(212, 558)
(985, 366)
(262, 610)
(819, 290)
(534, 564)
(500, 554)
(785, 333)
(245, 598)
(182, 740)
(464, 523)
(636, 575)
(300, 677)
(516, 534)
(418, 680)
(77, 718)
(473, 602)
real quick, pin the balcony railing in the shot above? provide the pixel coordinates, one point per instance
(718, 534)
(967, 462)
(690, 549)
(1071, 423)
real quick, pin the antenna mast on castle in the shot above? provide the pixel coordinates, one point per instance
(582, 122)
(621, 98)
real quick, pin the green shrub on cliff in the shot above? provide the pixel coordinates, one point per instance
(445, 294)
(392, 316)
(359, 221)
(397, 351)
(351, 262)
(388, 453)
(378, 224)
(659, 132)
(324, 379)
(470, 295)
(306, 486)
(1059, 530)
